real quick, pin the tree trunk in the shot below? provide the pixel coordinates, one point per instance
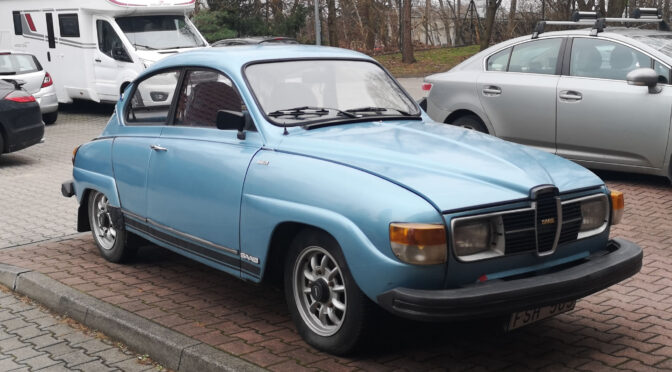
(666, 10)
(458, 21)
(367, 14)
(615, 8)
(407, 45)
(331, 23)
(490, 12)
(428, 6)
(512, 19)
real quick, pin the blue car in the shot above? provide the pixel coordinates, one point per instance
(313, 166)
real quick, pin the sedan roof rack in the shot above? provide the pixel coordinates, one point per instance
(582, 19)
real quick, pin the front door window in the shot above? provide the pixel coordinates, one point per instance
(109, 43)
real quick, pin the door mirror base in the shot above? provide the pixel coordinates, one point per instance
(645, 77)
(227, 120)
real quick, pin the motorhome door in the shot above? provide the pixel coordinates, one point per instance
(110, 58)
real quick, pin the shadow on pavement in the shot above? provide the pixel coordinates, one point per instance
(86, 107)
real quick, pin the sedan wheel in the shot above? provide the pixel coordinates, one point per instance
(471, 122)
(110, 238)
(330, 312)
(319, 291)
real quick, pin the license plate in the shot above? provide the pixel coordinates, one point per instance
(523, 318)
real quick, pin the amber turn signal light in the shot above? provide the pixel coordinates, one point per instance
(617, 207)
(419, 243)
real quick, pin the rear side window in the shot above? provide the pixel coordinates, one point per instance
(69, 25)
(16, 64)
(18, 29)
(499, 61)
(604, 59)
(536, 57)
(151, 100)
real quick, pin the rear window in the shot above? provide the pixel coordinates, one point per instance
(16, 64)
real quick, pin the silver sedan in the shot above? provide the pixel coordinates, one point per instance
(604, 100)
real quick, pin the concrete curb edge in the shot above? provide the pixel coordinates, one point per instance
(170, 348)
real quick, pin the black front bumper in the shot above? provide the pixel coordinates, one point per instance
(621, 259)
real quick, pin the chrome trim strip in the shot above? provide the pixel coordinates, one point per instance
(179, 233)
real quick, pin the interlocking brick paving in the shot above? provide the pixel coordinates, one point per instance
(33, 339)
(626, 327)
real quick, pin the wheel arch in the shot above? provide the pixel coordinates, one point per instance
(463, 112)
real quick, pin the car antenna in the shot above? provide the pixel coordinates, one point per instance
(285, 132)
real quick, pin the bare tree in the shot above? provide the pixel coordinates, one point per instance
(331, 22)
(490, 12)
(615, 8)
(407, 42)
(512, 18)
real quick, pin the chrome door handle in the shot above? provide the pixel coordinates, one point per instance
(158, 148)
(492, 90)
(570, 95)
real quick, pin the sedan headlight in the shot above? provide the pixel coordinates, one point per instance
(594, 213)
(419, 243)
(480, 238)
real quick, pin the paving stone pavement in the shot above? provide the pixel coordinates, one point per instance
(32, 208)
(33, 339)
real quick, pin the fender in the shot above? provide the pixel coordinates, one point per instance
(87, 180)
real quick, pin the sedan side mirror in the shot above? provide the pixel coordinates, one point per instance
(644, 77)
(227, 120)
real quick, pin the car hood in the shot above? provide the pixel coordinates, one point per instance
(452, 167)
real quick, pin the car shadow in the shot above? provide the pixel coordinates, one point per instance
(623, 177)
(15, 160)
(87, 107)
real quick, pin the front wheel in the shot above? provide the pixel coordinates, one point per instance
(111, 239)
(329, 310)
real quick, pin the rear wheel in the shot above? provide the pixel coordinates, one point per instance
(330, 312)
(112, 240)
(472, 122)
(50, 118)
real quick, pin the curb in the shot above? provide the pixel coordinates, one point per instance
(170, 348)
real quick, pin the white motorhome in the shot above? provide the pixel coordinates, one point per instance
(94, 48)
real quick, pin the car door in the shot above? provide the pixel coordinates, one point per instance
(197, 171)
(109, 58)
(517, 91)
(603, 119)
(132, 148)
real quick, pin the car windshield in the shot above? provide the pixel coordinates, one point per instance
(16, 64)
(160, 32)
(308, 91)
(662, 43)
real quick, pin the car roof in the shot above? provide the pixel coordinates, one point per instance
(232, 59)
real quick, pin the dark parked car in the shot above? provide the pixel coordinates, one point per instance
(254, 40)
(20, 117)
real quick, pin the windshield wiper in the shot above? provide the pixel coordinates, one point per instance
(377, 110)
(144, 46)
(308, 112)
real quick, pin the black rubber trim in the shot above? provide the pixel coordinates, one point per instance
(194, 248)
(621, 259)
(68, 189)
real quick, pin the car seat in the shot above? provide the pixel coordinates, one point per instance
(206, 100)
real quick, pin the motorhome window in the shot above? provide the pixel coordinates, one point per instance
(110, 43)
(160, 32)
(151, 100)
(16, 64)
(18, 30)
(69, 25)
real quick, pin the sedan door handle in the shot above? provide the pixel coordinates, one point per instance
(492, 90)
(570, 95)
(158, 148)
(98, 60)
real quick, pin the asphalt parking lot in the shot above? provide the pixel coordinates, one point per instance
(627, 327)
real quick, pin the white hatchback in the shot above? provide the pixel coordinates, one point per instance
(26, 68)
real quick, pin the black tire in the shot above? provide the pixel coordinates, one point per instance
(356, 318)
(50, 118)
(114, 242)
(2, 143)
(472, 122)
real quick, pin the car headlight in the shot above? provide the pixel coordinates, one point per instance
(419, 243)
(594, 213)
(478, 238)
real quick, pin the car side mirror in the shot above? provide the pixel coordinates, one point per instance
(227, 120)
(644, 77)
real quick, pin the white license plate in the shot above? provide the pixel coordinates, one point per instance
(523, 318)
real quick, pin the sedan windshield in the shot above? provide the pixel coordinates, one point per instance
(661, 43)
(309, 91)
(160, 32)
